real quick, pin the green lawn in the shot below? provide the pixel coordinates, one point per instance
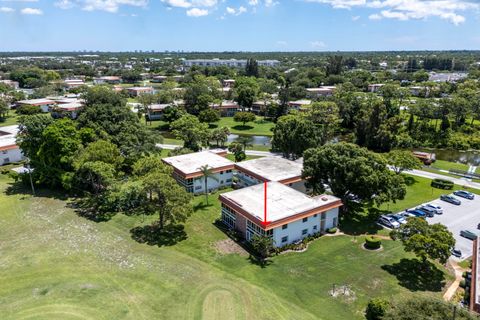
(11, 119)
(260, 127)
(58, 265)
(446, 165)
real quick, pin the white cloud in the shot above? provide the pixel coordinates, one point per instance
(449, 10)
(317, 44)
(253, 2)
(31, 11)
(355, 18)
(236, 12)
(196, 12)
(271, 3)
(190, 3)
(282, 43)
(6, 10)
(18, 0)
(102, 5)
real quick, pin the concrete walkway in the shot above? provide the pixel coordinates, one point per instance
(448, 295)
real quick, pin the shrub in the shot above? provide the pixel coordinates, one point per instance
(28, 110)
(442, 184)
(332, 230)
(372, 242)
(462, 284)
(376, 308)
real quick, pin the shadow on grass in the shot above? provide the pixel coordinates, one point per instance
(212, 125)
(415, 276)
(88, 208)
(242, 127)
(262, 263)
(20, 188)
(201, 206)
(409, 180)
(359, 220)
(154, 236)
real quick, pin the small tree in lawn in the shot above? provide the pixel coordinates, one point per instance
(237, 150)
(263, 245)
(403, 160)
(245, 141)
(209, 116)
(426, 241)
(207, 173)
(244, 117)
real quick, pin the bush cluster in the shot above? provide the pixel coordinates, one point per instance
(332, 230)
(442, 184)
(372, 242)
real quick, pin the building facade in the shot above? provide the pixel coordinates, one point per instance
(9, 150)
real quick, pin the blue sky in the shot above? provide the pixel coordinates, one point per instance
(240, 25)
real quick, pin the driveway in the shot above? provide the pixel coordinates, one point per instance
(457, 218)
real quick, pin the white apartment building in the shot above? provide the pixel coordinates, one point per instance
(227, 62)
(9, 150)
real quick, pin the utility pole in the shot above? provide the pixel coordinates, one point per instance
(30, 174)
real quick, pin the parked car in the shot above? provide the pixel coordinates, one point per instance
(388, 222)
(451, 199)
(429, 212)
(399, 218)
(468, 234)
(436, 207)
(464, 194)
(456, 253)
(416, 213)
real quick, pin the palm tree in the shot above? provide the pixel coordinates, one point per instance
(245, 141)
(207, 173)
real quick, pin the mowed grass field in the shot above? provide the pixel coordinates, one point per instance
(55, 264)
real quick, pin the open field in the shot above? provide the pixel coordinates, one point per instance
(58, 265)
(446, 165)
(260, 127)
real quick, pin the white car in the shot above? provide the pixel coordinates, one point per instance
(389, 222)
(436, 207)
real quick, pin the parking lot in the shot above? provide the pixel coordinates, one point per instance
(463, 217)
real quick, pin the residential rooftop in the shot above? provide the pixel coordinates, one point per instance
(283, 203)
(189, 164)
(271, 168)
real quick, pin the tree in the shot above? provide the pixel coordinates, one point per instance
(145, 100)
(426, 241)
(263, 245)
(324, 115)
(207, 173)
(244, 117)
(429, 308)
(237, 150)
(350, 170)
(403, 160)
(376, 309)
(220, 135)
(172, 113)
(292, 135)
(246, 91)
(251, 68)
(245, 141)
(209, 116)
(334, 65)
(191, 131)
(200, 93)
(4, 108)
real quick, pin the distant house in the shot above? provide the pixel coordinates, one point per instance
(74, 83)
(186, 170)
(447, 76)
(291, 215)
(228, 83)
(374, 88)
(419, 91)
(159, 79)
(138, 91)
(43, 104)
(300, 105)
(69, 109)
(9, 150)
(155, 111)
(229, 63)
(12, 84)
(323, 91)
(252, 172)
(227, 108)
(107, 80)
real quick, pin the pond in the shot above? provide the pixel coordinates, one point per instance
(467, 157)
(256, 140)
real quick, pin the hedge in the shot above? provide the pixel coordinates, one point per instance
(442, 184)
(332, 230)
(372, 242)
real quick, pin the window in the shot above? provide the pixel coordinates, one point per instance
(4, 151)
(221, 182)
(228, 216)
(221, 172)
(305, 219)
(314, 227)
(229, 180)
(228, 171)
(315, 215)
(304, 231)
(198, 187)
(284, 239)
(285, 226)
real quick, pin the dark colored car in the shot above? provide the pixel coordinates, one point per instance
(416, 213)
(451, 199)
(468, 234)
(429, 212)
(456, 253)
(464, 194)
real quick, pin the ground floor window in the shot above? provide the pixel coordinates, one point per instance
(255, 230)
(284, 239)
(228, 216)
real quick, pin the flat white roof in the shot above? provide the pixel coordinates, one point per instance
(8, 135)
(36, 101)
(190, 163)
(282, 201)
(272, 168)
